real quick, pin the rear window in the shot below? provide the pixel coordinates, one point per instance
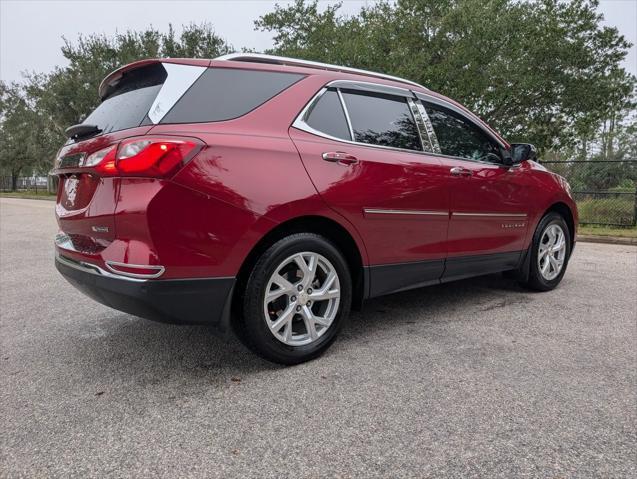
(128, 103)
(227, 93)
(327, 116)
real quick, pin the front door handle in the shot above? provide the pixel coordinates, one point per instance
(340, 157)
(459, 171)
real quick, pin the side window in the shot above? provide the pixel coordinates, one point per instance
(327, 116)
(457, 136)
(380, 119)
(227, 93)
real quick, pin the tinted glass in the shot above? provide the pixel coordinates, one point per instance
(327, 116)
(127, 104)
(380, 119)
(457, 136)
(225, 93)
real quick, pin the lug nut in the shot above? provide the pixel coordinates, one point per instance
(309, 303)
(300, 287)
(309, 290)
(293, 298)
(298, 308)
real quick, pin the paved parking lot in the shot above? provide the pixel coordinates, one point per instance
(472, 379)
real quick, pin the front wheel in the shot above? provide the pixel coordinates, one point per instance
(295, 300)
(550, 252)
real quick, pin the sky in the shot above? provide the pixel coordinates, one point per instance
(31, 31)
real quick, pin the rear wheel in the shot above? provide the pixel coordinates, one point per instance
(295, 300)
(550, 252)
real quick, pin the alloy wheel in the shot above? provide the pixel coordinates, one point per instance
(551, 252)
(302, 298)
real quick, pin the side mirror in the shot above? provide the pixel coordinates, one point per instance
(521, 152)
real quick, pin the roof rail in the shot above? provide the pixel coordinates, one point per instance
(277, 60)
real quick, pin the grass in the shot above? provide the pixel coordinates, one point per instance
(620, 210)
(30, 195)
(607, 231)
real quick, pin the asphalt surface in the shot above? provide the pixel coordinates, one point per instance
(471, 379)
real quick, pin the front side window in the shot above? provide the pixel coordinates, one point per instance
(459, 137)
(327, 116)
(381, 119)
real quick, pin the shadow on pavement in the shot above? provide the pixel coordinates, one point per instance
(136, 349)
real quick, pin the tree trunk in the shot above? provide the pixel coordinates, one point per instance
(14, 180)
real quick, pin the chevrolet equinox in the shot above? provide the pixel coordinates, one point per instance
(268, 196)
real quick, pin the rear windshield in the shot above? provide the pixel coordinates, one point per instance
(128, 103)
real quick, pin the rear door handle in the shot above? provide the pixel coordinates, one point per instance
(340, 157)
(459, 171)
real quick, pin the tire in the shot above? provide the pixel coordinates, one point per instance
(309, 324)
(538, 278)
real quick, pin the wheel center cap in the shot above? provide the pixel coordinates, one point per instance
(303, 297)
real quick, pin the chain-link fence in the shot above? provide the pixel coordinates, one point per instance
(27, 184)
(604, 190)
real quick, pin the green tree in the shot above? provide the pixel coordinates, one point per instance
(23, 135)
(66, 95)
(544, 71)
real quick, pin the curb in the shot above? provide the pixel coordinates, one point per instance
(606, 239)
(34, 197)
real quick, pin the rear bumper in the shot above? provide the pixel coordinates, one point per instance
(183, 301)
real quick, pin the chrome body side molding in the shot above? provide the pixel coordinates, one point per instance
(497, 215)
(382, 211)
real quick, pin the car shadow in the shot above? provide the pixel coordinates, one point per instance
(148, 353)
(429, 304)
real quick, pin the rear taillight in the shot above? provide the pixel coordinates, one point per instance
(156, 157)
(153, 157)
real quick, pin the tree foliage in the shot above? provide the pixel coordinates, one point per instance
(24, 134)
(70, 93)
(47, 103)
(543, 71)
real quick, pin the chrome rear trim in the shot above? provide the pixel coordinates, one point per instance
(92, 268)
(112, 265)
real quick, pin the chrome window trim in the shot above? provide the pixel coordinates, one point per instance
(300, 124)
(480, 162)
(346, 113)
(429, 129)
(279, 60)
(425, 145)
(471, 118)
(371, 87)
(383, 211)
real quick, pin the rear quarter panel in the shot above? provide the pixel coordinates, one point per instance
(251, 166)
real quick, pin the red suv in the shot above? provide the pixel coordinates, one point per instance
(268, 196)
